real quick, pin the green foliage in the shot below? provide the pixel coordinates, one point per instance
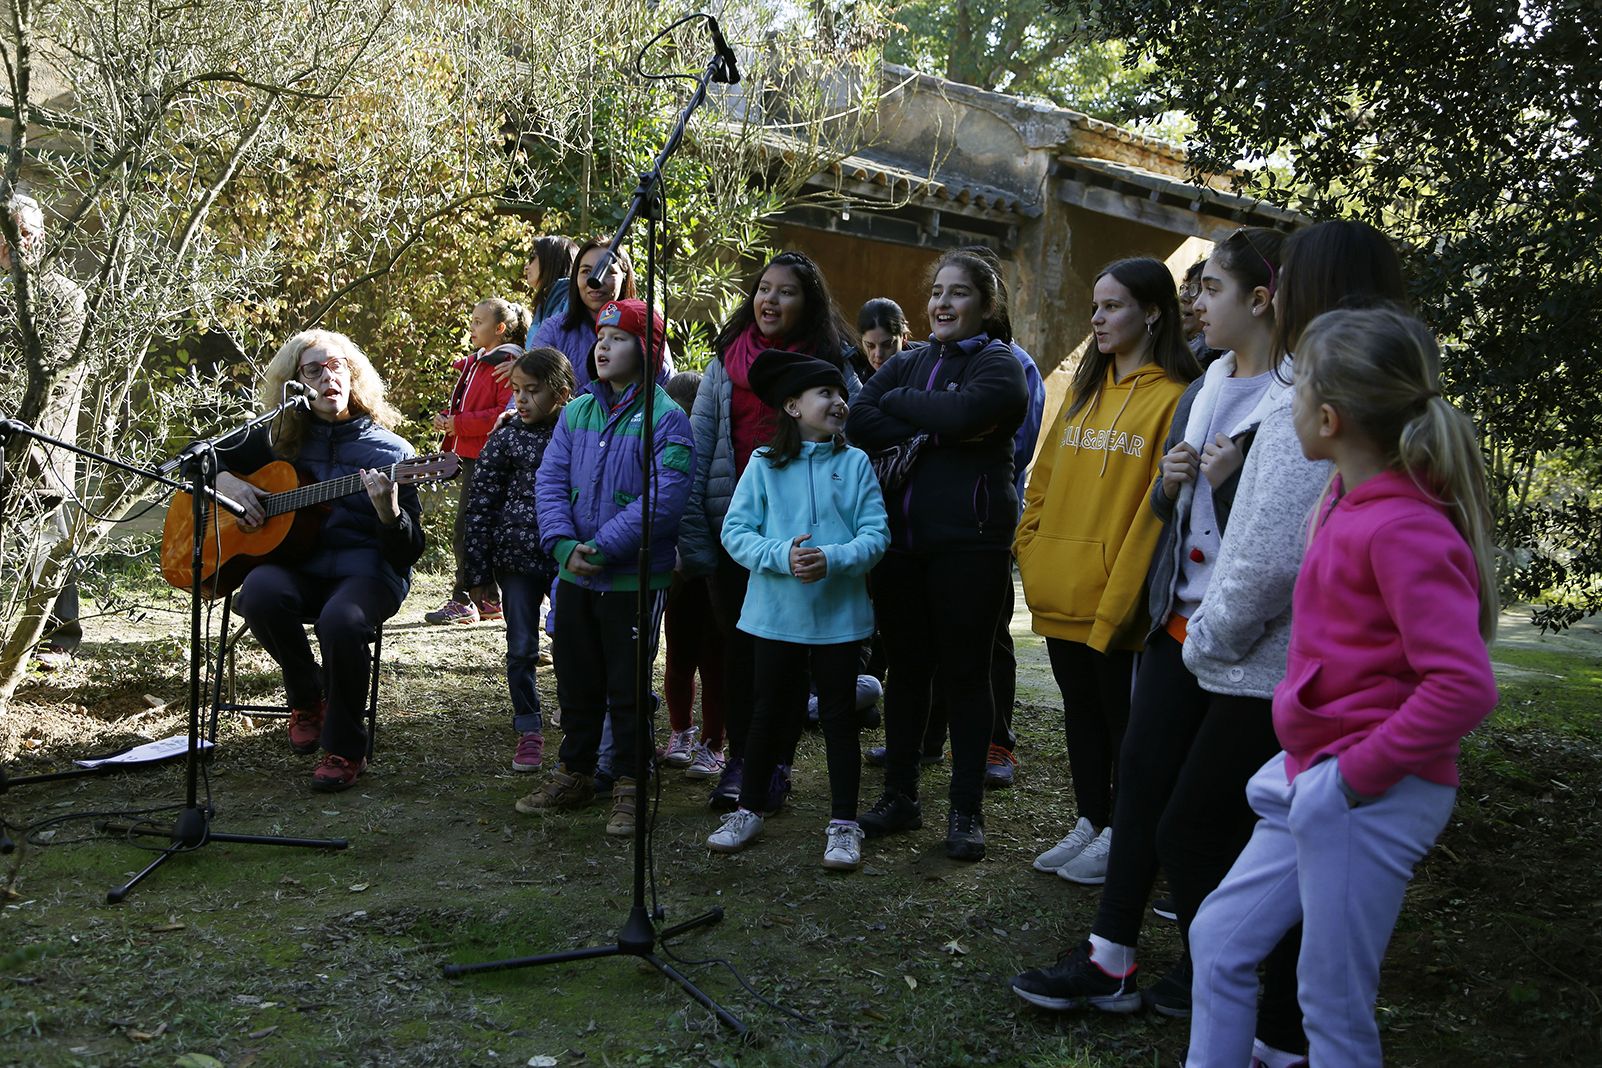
(1468, 132)
(1027, 48)
(222, 175)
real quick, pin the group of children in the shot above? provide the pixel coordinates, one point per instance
(1264, 586)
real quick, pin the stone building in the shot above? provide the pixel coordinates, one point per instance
(1055, 192)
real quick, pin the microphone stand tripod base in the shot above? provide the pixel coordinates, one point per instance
(190, 831)
(637, 939)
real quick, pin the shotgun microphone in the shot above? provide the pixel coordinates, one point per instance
(727, 73)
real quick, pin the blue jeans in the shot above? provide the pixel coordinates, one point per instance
(521, 596)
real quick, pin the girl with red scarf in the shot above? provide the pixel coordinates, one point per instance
(788, 307)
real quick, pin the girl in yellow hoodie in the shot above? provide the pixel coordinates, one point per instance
(1086, 537)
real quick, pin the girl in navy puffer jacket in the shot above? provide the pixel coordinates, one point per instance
(942, 588)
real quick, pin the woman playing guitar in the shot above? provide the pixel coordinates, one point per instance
(358, 570)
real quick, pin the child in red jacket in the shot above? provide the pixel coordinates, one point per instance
(497, 330)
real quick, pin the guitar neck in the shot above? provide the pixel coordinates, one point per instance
(317, 492)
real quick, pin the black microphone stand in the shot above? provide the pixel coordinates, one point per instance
(638, 936)
(193, 829)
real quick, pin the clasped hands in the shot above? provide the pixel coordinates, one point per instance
(807, 563)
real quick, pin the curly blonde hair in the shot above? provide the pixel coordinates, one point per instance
(366, 387)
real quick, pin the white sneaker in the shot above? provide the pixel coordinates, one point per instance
(1067, 849)
(679, 748)
(738, 830)
(844, 849)
(1090, 866)
(705, 763)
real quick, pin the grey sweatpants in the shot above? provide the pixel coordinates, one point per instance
(1340, 871)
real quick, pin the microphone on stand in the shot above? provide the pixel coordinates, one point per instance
(298, 394)
(603, 267)
(728, 72)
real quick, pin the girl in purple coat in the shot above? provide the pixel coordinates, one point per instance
(1387, 671)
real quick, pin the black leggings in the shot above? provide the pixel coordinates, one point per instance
(1095, 711)
(595, 673)
(739, 653)
(1003, 690)
(781, 712)
(937, 614)
(1206, 825)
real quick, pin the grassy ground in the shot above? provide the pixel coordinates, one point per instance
(254, 955)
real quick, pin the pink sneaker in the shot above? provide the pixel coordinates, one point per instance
(488, 610)
(680, 749)
(530, 750)
(452, 611)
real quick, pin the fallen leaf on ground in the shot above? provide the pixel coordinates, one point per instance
(358, 888)
(912, 984)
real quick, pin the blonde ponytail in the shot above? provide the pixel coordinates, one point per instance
(1381, 370)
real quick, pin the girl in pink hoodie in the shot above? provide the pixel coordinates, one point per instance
(1388, 669)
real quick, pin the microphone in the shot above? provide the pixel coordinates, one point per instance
(728, 73)
(298, 393)
(603, 267)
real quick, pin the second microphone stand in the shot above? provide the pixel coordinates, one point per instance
(639, 936)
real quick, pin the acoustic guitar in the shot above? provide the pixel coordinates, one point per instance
(290, 531)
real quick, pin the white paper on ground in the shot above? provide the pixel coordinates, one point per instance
(149, 753)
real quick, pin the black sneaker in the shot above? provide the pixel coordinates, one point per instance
(1170, 995)
(726, 794)
(1164, 907)
(891, 814)
(965, 836)
(1075, 982)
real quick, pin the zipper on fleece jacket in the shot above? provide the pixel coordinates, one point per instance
(812, 497)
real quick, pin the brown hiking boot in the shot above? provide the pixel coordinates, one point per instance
(563, 790)
(622, 821)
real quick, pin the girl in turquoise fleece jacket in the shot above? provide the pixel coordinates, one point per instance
(809, 523)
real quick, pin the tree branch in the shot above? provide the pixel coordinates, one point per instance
(389, 265)
(227, 175)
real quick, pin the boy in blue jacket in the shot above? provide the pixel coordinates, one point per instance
(591, 520)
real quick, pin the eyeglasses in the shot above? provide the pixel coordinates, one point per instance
(311, 372)
(1246, 238)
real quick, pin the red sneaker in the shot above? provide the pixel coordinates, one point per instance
(334, 773)
(488, 610)
(306, 728)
